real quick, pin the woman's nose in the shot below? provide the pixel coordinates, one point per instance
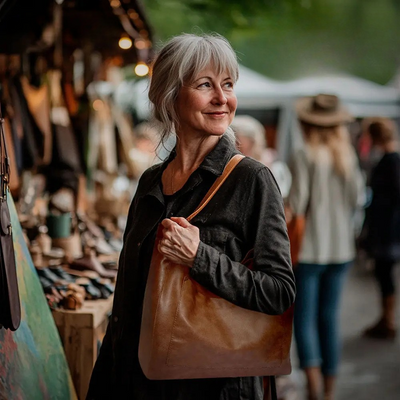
(219, 96)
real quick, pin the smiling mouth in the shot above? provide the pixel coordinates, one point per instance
(219, 113)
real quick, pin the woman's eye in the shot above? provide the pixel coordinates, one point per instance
(205, 84)
(229, 85)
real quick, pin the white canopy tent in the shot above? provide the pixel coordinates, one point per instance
(364, 98)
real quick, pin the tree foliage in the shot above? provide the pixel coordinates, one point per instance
(285, 39)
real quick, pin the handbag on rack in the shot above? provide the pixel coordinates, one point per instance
(188, 332)
(10, 309)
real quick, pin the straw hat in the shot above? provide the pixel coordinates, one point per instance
(322, 110)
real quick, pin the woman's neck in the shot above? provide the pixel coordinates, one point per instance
(191, 153)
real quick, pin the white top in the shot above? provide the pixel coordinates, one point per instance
(329, 202)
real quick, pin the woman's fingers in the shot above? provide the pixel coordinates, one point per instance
(179, 241)
(181, 221)
(167, 234)
(170, 242)
(167, 223)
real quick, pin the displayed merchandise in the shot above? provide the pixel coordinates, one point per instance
(188, 332)
(74, 236)
(62, 217)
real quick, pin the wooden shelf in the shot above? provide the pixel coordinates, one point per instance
(81, 332)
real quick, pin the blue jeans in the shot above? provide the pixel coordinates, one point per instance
(316, 324)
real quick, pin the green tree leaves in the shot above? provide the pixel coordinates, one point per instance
(285, 39)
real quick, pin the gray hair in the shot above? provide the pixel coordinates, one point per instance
(179, 62)
(248, 126)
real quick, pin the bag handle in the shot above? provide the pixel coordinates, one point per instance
(4, 162)
(217, 184)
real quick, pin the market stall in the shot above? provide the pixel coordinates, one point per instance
(73, 171)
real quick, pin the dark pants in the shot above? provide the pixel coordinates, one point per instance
(384, 273)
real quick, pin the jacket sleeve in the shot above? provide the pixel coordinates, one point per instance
(269, 287)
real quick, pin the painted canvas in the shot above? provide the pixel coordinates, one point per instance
(32, 360)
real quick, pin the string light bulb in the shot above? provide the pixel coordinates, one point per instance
(140, 44)
(141, 69)
(115, 3)
(125, 42)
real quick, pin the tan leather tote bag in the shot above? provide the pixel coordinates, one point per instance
(188, 332)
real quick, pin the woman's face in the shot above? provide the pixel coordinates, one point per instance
(207, 105)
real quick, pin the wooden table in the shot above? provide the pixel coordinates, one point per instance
(81, 331)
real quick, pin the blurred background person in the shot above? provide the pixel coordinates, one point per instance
(381, 233)
(326, 186)
(146, 142)
(251, 141)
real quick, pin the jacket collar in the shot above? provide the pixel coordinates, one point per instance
(214, 162)
(219, 156)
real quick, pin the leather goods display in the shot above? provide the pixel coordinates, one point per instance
(295, 229)
(38, 102)
(14, 178)
(10, 309)
(189, 332)
(32, 138)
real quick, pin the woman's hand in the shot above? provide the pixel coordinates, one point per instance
(180, 241)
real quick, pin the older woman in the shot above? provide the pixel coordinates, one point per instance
(192, 90)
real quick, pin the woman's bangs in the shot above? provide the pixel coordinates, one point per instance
(219, 56)
(224, 60)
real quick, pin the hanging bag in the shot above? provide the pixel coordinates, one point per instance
(188, 332)
(10, 309)
(296, 227)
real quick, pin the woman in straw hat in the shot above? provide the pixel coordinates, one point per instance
(325, 190)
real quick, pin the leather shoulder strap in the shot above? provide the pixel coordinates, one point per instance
(217, 184)
(4, 161)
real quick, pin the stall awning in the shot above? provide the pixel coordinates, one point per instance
(99, 23)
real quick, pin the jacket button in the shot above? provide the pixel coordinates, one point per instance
(139, 244)
(115, 319)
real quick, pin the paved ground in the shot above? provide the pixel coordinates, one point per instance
(370, 369)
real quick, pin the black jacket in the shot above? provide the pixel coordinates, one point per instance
(383, 215)
(247, 212)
